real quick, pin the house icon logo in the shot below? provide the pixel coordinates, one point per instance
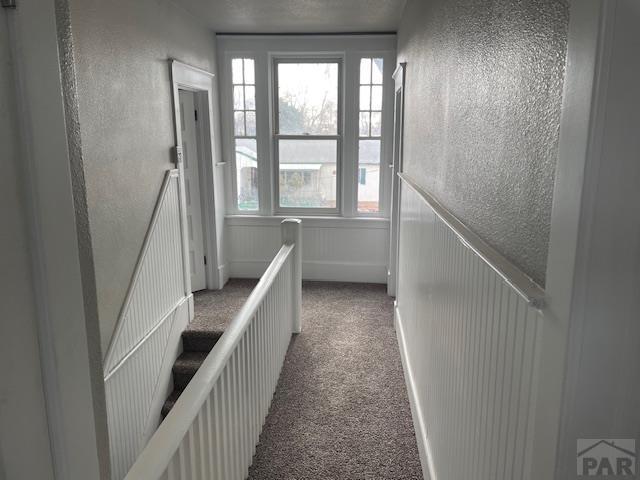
(606, 457)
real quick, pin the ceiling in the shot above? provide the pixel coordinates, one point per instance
(297, 16)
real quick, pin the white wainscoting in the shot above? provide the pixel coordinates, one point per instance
(335, 249)
(470, 349)
(147, 337)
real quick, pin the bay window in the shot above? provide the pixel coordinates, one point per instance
(307, 124)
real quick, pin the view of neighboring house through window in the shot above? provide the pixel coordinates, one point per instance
(370, 133)
(244, 127)
(307, 132)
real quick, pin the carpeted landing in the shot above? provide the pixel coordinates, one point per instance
(340, 410)
(214, 310)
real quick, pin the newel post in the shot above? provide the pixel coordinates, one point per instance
(292, 235)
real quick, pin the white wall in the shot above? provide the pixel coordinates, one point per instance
(61, 268)
(602, 387)
(334, 249)
(126, 121)
(24, 440)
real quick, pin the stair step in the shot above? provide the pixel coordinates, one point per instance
(200, 340)
(185, 368)
(170, 402)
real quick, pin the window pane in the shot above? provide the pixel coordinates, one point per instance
(308, 98)
(376, 124)
(376, 75)
(238, 98)
(365, 98)
(364, 124)
(376, 98)
(308, 173)
(368, 176)
(365, 70)
(238, 122)
(250, 98)
(249, 73)
(236, 70)
(247, 174)
(251, 123)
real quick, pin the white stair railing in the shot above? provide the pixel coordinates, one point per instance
(212, 431)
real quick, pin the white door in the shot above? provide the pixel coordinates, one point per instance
(188, 116)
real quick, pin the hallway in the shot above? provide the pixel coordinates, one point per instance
(340, 410)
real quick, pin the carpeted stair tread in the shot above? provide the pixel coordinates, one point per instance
(185, 367)
(170, 402)
(214, 310)
(200, 340)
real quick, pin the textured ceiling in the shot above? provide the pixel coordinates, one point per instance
(297, 16)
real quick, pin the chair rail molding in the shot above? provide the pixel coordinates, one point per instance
(147, 336)
(469, 340)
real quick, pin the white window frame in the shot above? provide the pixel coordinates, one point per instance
(228, 108)
(385, 161)
(350, 48)
(276, 136)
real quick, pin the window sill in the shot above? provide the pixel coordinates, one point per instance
(308, 221)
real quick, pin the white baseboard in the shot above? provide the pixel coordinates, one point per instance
(223, 274)
(428, 470)
(316, 270)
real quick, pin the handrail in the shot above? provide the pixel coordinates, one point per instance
(157, 455)
(511, 274)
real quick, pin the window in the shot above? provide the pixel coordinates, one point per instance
(307, 133)
(370, 134)
(244, 129)
(304, 131)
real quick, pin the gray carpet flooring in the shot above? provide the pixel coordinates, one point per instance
(340, 410)
(214, 309)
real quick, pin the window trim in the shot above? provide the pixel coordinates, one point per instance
(229, 109)
(276, 136)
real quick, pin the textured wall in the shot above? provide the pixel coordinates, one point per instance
(483, 93)
(126, 124)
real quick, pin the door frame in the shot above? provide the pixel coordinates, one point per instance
(198, 167)
(396, 167)
(201, 82)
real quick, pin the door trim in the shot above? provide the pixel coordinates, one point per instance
(396, 168)
(201, 82)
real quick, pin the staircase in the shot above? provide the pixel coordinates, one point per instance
(196, 346)
(214, 310)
